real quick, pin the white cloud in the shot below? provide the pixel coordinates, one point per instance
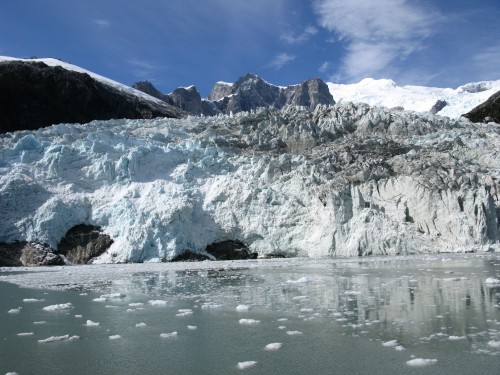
(378, 33)
(325, 67)
(303, 37)
(102, 23)
(281, 60)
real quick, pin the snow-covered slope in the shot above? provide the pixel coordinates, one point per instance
(342, 181)
(385, 92)
(118, 86)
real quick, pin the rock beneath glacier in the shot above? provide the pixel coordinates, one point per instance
(10, 254)
(27, 254)
(37, 254)
(230, 250)
(84, 242)
(191, 256)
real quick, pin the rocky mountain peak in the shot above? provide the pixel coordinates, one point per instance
(247, 93)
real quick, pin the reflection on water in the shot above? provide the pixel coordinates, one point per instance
(430, 307)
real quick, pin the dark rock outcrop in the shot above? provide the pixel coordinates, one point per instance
(148, 88)
(190, 256)
(489, 111)
(438, 106)
(247, 93)
(230, 250)
(188, 99)
(28, 254)
(84, 242)
(35, 95)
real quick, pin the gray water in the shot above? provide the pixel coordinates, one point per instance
(440, 308)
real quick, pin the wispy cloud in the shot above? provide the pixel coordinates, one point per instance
(377, 33)
(304, 36)
(325, 67)
(102, 23)
(281, 60)
(144, 69)
(490, 57)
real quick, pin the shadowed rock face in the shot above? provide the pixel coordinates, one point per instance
(35, 95)
(230, 250)
(28, 254)
(489, 111)
(83, 242)
(438, 106)
(247, 93)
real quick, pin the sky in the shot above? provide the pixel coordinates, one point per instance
(172, 43)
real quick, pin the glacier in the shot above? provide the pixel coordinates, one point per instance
(342, 180)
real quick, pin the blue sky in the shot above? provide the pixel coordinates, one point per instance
(443, 43)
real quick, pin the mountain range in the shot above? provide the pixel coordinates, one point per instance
(36, 93)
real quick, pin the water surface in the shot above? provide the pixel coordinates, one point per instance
(368, 315)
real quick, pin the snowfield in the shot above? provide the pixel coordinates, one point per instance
(346, 180)
(386, 93)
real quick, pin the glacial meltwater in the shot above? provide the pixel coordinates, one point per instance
(436, 314)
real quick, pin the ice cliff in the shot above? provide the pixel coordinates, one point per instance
(344, 180)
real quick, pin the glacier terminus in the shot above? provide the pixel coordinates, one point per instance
(342, 180)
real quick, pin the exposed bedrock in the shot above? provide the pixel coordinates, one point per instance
(28, 254)
(83, 242)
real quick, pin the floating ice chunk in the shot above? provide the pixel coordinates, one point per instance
(494, 344)
(11, 373)
(157, 302)
(208, 306)
(113, 296)
(59, 307)
(58, 338)
(140, 325)
(168, 335)
(78, 316)
(90, 323)
(25, 334)
(184, 312)
(457, 338)
(15, 311)
(29, 300)
(242, 308)
(302, 280)
(282, 327)
(492, 281)
(419, 362)
(249, 321)
(273, 346)
(282, 319)
(294, 333)
(40, 322)
(136, 304)
(399, 348)
(115, 337)
(246, 364)
(192, 327)
(390, 344)
(100, 299)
